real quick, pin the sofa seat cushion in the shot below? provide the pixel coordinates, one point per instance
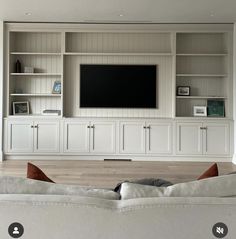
(16, 185)
(222, 186)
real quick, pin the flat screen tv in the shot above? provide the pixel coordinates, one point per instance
(118, 86)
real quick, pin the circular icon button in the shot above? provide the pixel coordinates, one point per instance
(220, 230)
(16, 230)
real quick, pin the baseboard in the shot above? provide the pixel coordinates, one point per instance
(234, 159)
(119, 158)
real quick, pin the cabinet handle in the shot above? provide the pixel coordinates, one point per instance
(203, 128)
(93, 135)
(88, 127)
(32, 126)
(36, 126)
(149, 137)
(144, 127)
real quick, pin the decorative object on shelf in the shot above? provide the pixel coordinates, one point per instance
(51, 112)
(215, 108)
(56, 87)
(21, 108)
(28, 69)
(183, 90)
(200, 111)
(17, 67)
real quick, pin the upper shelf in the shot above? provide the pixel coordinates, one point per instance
(201, 75)
(36, 74)
(37, 53)
(116, 54)
(201, 54)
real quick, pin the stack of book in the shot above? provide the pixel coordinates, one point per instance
(51, 112)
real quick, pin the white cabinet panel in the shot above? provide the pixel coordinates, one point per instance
(189, 138)
(102, 135)
(46, 136)
(216, 138)
(159, 138)
(76, 137)
(132, 137)
(20, 136)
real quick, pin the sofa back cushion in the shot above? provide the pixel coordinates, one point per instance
(222, 186)
(16, 185)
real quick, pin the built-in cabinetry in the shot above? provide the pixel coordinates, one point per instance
(202, 62)
(197, 138)
(42, 52)
(27, 136)
(199, 56)
(89, 137)
(145, 137)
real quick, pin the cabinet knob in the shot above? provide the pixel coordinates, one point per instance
(32, 126)
(144, 127)
(88, 127)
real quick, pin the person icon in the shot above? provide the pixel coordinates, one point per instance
(16, 231)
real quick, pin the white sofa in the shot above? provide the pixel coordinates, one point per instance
(54, 211)
(75, 217)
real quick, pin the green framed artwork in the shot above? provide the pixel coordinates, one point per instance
(215, 108)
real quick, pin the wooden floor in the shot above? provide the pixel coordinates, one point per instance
(109, 173)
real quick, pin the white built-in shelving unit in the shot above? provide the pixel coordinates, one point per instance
(199, 59)
(42, 51)
(202, 62)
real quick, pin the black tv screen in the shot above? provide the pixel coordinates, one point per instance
(118, 86)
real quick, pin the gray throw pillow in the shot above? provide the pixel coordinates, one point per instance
(146, 181)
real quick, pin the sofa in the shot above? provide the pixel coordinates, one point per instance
(76, 216)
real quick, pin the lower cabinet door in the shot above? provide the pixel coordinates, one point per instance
(76, 137)
(189, 138)
(159, 138)
(20, 137)
(47, 137)
(102, 137)
(132, 137)
(217, 139)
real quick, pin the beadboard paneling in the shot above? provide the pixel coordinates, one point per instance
(35, 42)
(199, 43)
(201, 65)
(164, 86)
(118, 42)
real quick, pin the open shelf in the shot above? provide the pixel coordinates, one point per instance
(37, 95)
(201, 97)
(201, 54)
(36, 74)
(116, 54)
(36, 53)
(201, 75)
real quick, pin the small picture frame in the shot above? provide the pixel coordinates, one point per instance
(183, 90)
(200, 111)
(56, 87)
(21, 108)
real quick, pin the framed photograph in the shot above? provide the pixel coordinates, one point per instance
(56, 87)
(21, 108)
(199, 111)
(215, 108)
(183, 90)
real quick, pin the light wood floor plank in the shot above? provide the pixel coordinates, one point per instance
(109, 173)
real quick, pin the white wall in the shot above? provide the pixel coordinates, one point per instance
(234, 95)
(1, 87)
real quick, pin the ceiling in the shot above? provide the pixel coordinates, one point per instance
(156, 11)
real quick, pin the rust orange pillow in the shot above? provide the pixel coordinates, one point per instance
(210, 172)
(34, 172)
